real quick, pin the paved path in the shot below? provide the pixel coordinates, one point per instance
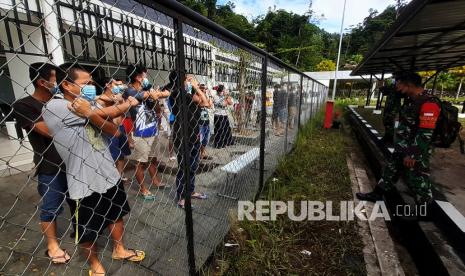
(156, 227)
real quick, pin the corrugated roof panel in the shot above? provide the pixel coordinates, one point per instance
(427, 35)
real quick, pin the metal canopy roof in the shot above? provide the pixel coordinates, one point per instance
(428, 35)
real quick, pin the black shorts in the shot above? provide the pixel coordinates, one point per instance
(95, 212)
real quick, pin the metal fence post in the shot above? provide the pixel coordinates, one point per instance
(261, 177)
(180, 67)
(311, 100)
(300, 102)
(287, 112)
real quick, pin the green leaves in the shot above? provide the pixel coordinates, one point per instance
(326, 65)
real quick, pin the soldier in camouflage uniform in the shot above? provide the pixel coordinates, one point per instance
(391, 110)
(413, 145)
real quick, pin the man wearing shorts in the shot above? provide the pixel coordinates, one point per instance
(145, 131)
(93, 181)
(204, 123)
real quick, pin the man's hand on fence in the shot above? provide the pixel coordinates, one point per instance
(119, 98)
(80, 107)
(157, 94)
(133, 101)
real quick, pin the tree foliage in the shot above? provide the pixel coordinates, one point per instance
(326, 65)
(295, 38)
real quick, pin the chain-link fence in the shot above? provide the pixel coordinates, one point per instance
(145, 122)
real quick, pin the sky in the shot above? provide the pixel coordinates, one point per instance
(356, 10)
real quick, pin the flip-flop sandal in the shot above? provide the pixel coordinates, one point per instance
(148, 196)
(91, 273)
(58, 257)
(161, 186)
(199, 196)
(137, 257)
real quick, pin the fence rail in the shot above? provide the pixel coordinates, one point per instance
(204, 112)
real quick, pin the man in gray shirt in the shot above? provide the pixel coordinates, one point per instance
(93, 180)
(89, 165)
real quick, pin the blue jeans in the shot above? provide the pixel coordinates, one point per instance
(53, 189)
(204, 134)
(193, 165)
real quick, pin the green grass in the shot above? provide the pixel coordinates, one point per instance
(315, 170)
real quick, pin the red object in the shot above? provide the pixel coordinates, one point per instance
(429, 114)
(128, 125)
(329, 114)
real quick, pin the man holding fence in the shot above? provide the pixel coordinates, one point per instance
(93, 181)
(145, 131)
(50, 169)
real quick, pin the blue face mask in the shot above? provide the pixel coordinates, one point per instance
(116, 89)
(189, 88)
(55, 89)
(145, 83)
(89, 92)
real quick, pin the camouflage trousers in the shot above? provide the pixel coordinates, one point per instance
(417, 178)
(389, 125)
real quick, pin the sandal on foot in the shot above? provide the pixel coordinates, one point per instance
(53, 259)
(91, 273)
(199, 196)
(160, 186)
(137, 257)
(148, 196)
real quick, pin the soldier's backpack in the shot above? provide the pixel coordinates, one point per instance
(448, 126)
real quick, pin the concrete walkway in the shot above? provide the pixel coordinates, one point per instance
(158, 227)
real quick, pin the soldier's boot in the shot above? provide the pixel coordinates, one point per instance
(375, 195)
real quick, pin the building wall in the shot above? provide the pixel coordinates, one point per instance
(34, 47)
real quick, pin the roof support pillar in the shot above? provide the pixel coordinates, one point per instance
(369, 91)
(378, 101)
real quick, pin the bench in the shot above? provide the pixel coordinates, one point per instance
(237, 165)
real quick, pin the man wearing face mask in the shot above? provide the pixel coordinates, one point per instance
(112, 97)
(50, 169)
(196, 99)
(412, 146)
(93, 181)
(145, 130)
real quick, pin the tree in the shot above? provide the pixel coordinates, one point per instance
(211, 8)
(291, 37)
(364, 36)
(425, 75)
(445, 80)
(352, 61)
(326, 65)
(295, 38)
(459, 72)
